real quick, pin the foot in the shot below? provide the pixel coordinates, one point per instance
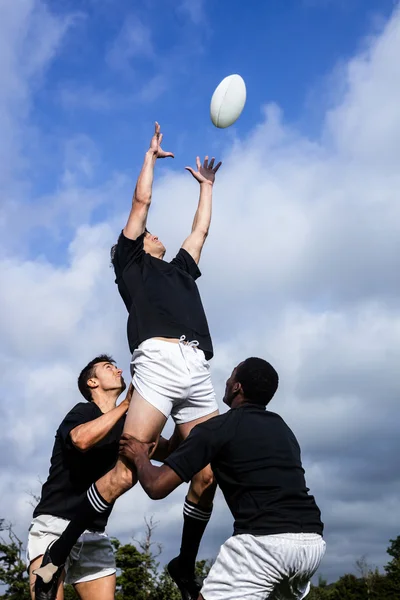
(189, 585)
(47, 578)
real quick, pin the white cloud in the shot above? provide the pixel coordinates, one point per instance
(300, 267)
(194, 9)
(133, 40)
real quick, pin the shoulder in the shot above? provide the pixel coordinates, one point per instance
(82, 410)
(273, 416)
(216, 424)
(126, 250)
(184, 261)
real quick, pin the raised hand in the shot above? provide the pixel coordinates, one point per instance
(155, 144)
(205, 172)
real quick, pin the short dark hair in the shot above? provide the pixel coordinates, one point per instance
(258, 379)
(88, 372)
(112, 253)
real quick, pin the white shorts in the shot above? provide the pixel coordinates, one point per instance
(92, 556)
(277, 567)
(174, 378)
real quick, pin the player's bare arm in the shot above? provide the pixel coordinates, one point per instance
(87, 435)
(157, 482)
(141, 200)
(205, 175)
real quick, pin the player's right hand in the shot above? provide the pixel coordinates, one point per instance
(129, 393)
(155, 144)
(131, 448)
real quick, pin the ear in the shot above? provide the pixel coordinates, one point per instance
(237, 387)
(92, 383)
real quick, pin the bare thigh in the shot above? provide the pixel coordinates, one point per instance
(35, 564)
(145, 423)
(186, 428)
(98, 589)
(143, 420)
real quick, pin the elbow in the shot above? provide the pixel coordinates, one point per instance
(202, 233)
(143, 199)
(155, 494)
(156, 491)
(79, 442)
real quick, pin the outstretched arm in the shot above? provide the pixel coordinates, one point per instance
(157, 482)
(141, 200)
(197, 451)
(205, 175)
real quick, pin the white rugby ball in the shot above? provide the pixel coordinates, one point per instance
(228, 101)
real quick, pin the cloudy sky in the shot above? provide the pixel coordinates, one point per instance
(302, 263)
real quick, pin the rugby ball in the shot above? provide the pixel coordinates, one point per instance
(228, 101)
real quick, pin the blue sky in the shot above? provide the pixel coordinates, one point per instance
(300, 263)
(121, 69)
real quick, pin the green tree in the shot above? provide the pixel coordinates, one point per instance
(69, 593)
(321, 591)
(165, 588)
(203, 568)
(349, 587)
(370, 576)
(392, 569)
(13, 573)
(137, 572)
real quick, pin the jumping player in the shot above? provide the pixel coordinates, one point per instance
(277, 543)
(171, 345)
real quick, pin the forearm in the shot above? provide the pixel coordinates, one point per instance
(150, 478)
(144, 185)
(202, 218)
(87, 435)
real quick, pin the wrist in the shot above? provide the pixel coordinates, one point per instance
(140, 461)
(151, 154)
(206, 184)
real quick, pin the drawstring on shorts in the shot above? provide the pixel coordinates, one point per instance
(192, 344)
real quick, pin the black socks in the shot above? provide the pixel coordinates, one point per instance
(90, 508)
(195, 519)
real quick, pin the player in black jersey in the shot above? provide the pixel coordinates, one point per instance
(170, 342)
(277, 542)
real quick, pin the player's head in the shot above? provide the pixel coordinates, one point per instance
(254, 380)
(153, 246)
(100, 375)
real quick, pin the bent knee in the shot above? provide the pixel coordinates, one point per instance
(123, 478)
(204, 480)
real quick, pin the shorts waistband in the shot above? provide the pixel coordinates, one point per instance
(155, 341)
(300, 538)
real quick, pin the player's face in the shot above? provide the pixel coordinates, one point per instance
(152, 245)
(230, 388)
(109, 377)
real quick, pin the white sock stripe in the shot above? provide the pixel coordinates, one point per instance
(197, 509)
(195, 514)
(196, 517)
(99, 499)
(95, 500)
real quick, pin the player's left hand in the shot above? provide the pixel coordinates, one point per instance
(131, 448)
(205, 172)
(155, 144)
